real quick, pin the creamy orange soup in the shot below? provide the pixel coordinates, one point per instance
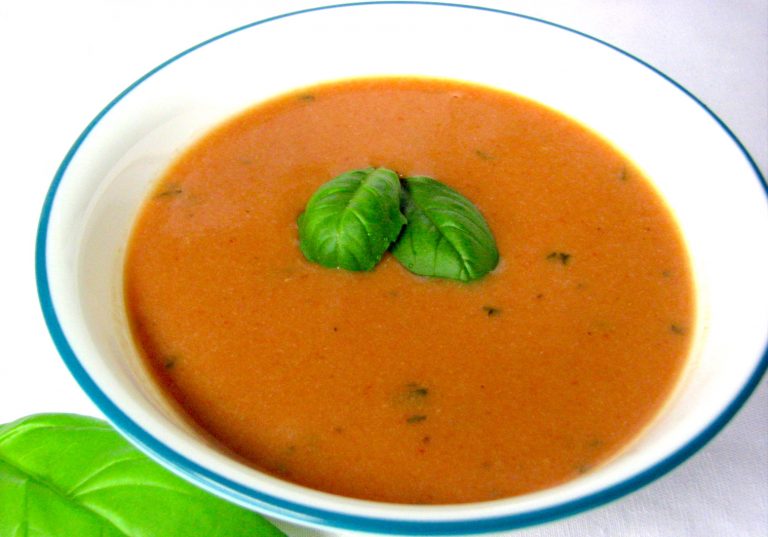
(388, 386)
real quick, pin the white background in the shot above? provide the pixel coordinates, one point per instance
(62, 62)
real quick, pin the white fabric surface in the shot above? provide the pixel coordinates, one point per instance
(63, 61)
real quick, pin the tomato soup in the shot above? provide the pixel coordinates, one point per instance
(385, 385)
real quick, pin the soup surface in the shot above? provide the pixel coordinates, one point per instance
(388, 386)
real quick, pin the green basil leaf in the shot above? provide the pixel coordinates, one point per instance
(351, 220)
(446, 236)
(62, 474)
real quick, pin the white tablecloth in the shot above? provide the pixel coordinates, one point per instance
(61, 62)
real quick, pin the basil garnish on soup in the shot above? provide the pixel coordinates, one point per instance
(446, 235)
(351, 220)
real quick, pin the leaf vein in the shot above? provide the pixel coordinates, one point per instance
(464, 260)
(99, 471)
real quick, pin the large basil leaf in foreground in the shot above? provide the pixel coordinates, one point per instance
(67, 475)
(446, 236)
(351, 220)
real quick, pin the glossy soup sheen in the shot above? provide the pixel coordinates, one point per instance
(388, 386)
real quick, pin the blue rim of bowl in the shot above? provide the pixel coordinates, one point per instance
(282, 509)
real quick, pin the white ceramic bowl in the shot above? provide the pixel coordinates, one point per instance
(705, 175)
